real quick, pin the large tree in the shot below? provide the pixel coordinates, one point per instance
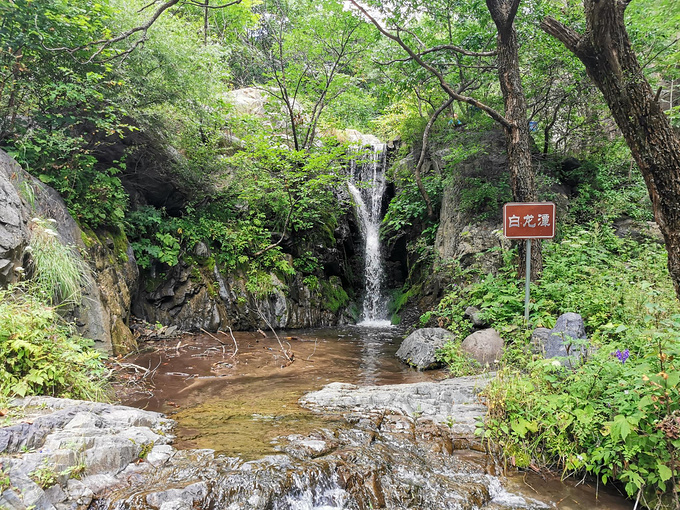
(605, 50)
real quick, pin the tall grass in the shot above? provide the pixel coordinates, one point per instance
(57, 272)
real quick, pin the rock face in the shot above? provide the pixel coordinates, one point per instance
(195, 297)
(104, 313)
(486, 346)
(113, 260)
(419, 348)
(75, 448)
(566, 340)
(461, 235)
(14, 218)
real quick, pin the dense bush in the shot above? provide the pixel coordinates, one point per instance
(41, 355)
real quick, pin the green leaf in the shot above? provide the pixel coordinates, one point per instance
(665, 472)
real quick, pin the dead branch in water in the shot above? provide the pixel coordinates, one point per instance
(290, 357)
(316, 340)
(234, 339)
(214, 338)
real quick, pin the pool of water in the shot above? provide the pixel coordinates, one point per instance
(236, 404)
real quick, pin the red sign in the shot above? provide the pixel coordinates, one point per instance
(529, 220)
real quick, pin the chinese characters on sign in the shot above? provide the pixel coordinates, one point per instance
(529, 220)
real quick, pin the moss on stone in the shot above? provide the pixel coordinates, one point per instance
(333, 295)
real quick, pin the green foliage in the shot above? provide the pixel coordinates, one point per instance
(40, 355)
(608, 189)
(482, 198)
(458, 362)
(56, 274)
(615, 415)
(333, 295)
(588, 271)
(44, 475)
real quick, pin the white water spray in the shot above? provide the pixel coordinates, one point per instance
(367, 186)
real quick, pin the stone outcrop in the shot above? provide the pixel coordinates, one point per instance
(104, 313)
(460, 234)
(68, 455)
(200, 297)
(117, 277)
(454, 402)
(14, 219)
(64, 451)
(420, 347)
(566, 341)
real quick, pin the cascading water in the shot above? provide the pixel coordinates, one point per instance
(367, 186)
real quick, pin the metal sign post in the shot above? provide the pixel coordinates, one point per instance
(526, 285)
(528, 220)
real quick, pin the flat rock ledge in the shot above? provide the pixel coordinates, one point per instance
(452, 402)
(56, 454)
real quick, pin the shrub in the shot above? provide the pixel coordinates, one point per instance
(40, 355)
(617, 415)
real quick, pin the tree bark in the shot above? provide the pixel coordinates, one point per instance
(517, 131)
(605, 51)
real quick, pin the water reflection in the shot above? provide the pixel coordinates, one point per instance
(252, 396)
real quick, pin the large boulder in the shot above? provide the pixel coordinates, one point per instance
(566, 341)
(486, 346)
(420, 347)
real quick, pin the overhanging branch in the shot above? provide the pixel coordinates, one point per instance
(442, 81)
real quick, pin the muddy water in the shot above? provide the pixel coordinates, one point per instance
(237, 404)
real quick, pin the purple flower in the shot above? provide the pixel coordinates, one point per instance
(622, 355)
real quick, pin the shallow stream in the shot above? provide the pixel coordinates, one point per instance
(239, 404)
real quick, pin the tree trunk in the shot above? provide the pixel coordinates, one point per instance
(517, 132)
(607, 55)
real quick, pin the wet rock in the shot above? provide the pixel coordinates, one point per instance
(486, 346)
(420, 347)
(452, 401)
(566, 341)
(178, 498)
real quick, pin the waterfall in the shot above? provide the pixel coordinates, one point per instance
(367, 186)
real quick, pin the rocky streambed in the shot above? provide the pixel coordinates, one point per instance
(395, 446)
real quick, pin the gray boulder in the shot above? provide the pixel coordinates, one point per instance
(474, 314)
(486, 346)
(419, 348)
(566, 340)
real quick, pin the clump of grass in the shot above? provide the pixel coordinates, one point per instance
(57, 272)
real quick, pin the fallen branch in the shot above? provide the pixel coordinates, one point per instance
(234, 339)
(283, 350)
(315, 342)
